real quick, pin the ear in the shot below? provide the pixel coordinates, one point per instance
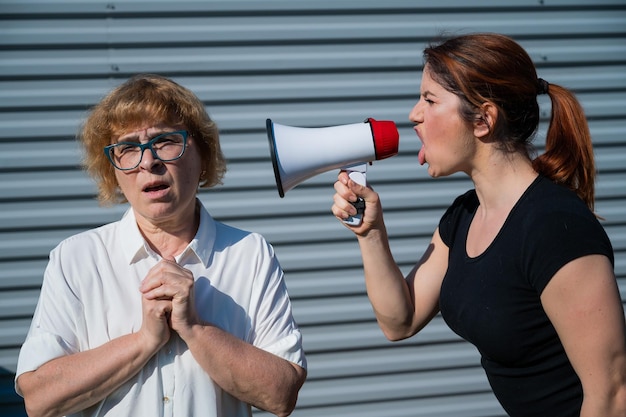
(485, 120)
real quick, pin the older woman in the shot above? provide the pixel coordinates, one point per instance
(519, 266)
(166, 311)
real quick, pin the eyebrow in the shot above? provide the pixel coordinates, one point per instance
(135, 137)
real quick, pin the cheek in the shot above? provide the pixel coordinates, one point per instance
(123, 182)
(192, 177)
(439, 132)
(188, 173)
(193, 168)
(119, 178)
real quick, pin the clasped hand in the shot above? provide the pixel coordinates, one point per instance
(167, 302)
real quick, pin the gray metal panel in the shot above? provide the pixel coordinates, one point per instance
(300, 63)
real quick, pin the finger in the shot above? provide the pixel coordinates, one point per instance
(341, 187)
(355, 187)
(169, 258)
(343, 176)
(343, 192)
(174, 286)
(151, 281)
(156, 307)
(164, 307)
(160, 274)
(158, 293)
(342, 208)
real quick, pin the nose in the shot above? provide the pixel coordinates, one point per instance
(149, 159)
(416, 115)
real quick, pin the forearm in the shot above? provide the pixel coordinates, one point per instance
(606, 396)
(72, 383)
(612, 405)
(386, 286)
(248, 373)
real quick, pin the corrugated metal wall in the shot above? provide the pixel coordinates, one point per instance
(301, 63)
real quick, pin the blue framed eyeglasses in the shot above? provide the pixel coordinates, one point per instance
(166, 147)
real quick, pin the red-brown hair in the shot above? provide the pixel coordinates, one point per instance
(489, 67)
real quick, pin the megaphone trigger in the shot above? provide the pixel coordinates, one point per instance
(357, 219)
(357, 173)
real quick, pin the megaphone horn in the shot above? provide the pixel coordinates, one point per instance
(300, 153)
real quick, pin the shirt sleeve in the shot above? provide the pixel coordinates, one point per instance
(274, 328)
(559, 238)
(449, 222)
(52, 333)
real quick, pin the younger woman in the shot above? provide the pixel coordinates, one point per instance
(519, 266)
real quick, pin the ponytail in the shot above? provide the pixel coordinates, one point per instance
(568, 157)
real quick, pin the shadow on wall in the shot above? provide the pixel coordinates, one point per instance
(11, 404)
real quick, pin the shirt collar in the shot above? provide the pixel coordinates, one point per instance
(204, 241)
(136, 248)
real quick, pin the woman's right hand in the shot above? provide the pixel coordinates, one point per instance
(155, 327)
(348, 191)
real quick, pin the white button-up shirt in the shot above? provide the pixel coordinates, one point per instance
(90, 295)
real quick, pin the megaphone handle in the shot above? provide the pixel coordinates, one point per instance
(359, 177)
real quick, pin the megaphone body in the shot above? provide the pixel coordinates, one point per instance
(300, 153)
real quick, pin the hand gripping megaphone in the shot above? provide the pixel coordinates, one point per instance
(300, 153)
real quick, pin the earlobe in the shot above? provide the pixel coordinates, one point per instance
(485, 120)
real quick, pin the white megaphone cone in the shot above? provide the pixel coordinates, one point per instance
(300, 153)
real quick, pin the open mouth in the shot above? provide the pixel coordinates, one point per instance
(155, 187)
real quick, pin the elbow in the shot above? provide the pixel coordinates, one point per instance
(606, 400)
(31, 412)
(400, 328)
(35, 410)
(287, 393)
(285, 409)
(619, 401)
(284, 405)
(394, 336)
(397, 332)
(34, 401)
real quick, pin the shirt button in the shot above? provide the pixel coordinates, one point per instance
(166, 399)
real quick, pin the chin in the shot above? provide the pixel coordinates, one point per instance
(433, 173)
(436, 174)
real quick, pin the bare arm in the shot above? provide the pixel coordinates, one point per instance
(583, 302)
(248, 373)
(72, 383)
(403, 306)
(245, 371)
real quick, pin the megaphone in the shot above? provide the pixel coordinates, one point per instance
(299, 153)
